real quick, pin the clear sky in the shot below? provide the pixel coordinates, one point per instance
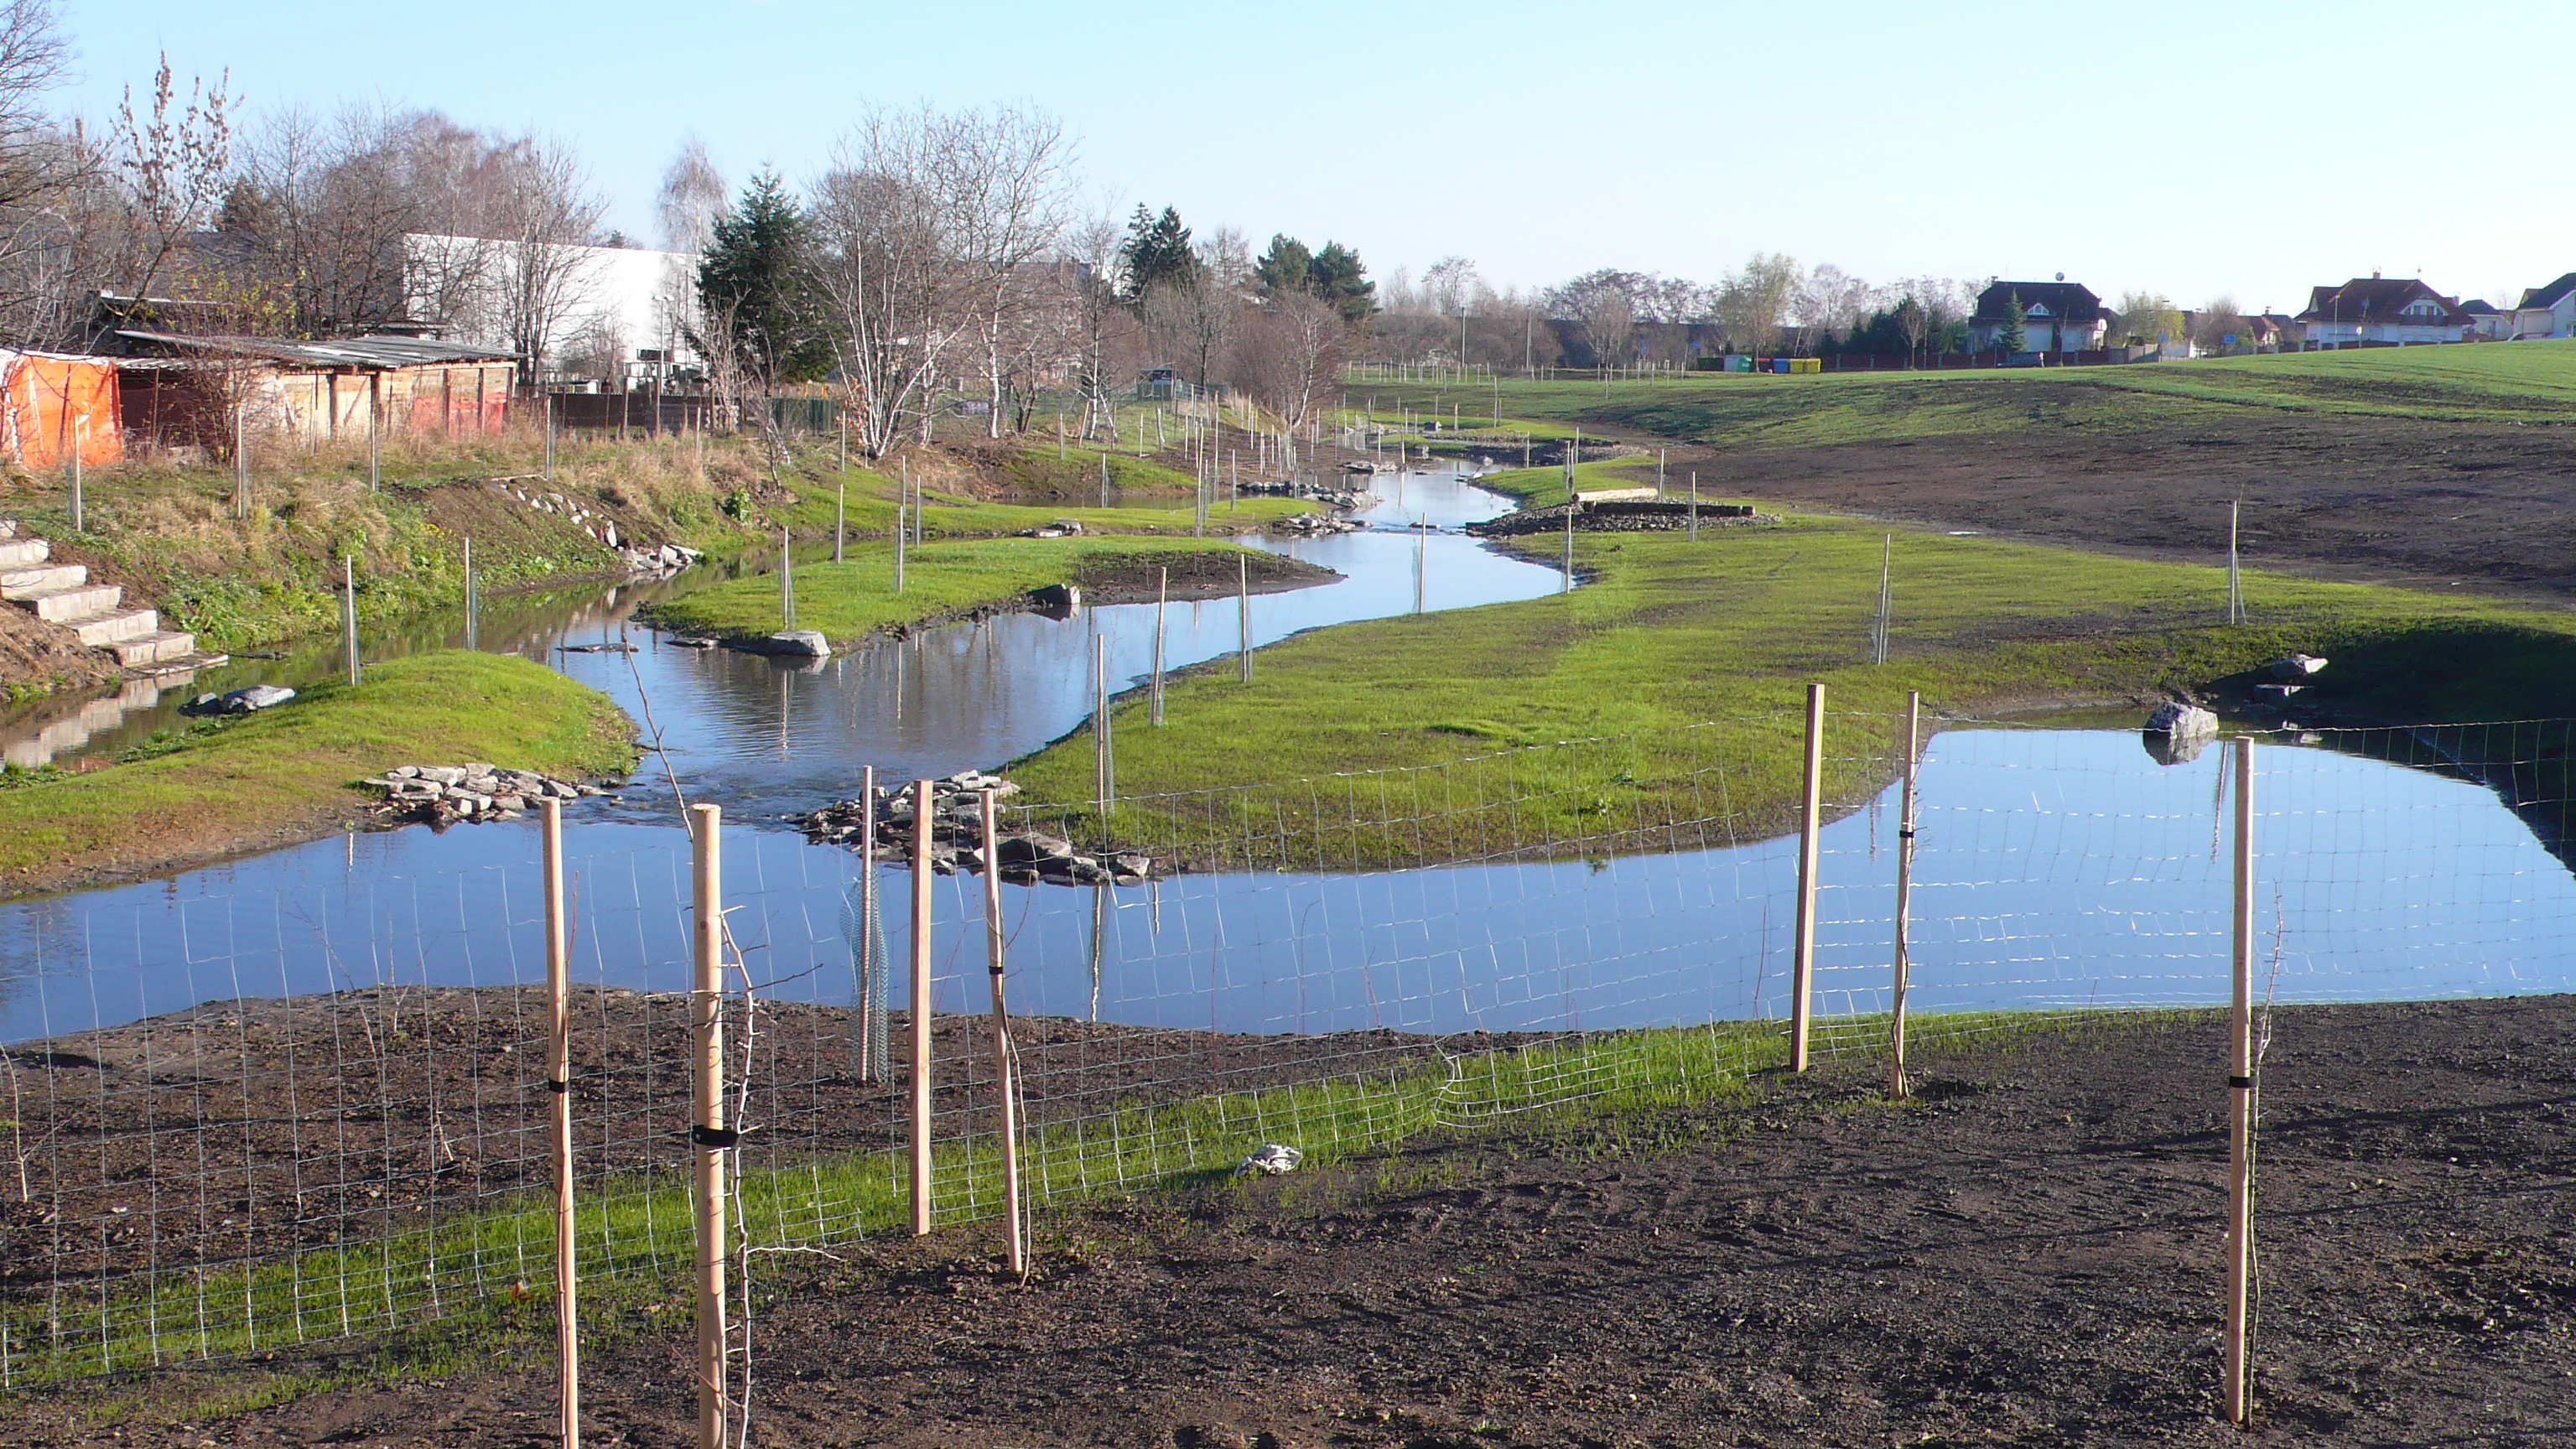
(2191, 147)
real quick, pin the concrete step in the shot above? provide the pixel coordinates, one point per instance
(183, 667)
(19, 583)
(100, 630)
(19, 553)
(72, 605)
(158, 647)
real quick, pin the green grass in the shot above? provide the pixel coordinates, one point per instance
(2505, 383)
(849, 601)
(481, 1281)
(217, 785)
(1670, 689)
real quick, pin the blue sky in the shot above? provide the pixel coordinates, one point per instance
(2254, 147)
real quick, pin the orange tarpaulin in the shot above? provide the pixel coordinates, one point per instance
(56, 401)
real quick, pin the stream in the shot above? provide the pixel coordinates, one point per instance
(2057, 868)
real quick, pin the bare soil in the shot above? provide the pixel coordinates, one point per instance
(2026, 1255)
(245, 1129)
(2476, 505)
(38, 659)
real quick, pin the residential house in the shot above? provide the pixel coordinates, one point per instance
(2383, 312)
(2059, 316)
(2547, 311)
(2488, 322)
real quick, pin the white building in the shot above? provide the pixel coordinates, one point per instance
(615, 304)
(2384, 311)
(2547, 311)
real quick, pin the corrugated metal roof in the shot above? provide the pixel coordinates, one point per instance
(372, 354)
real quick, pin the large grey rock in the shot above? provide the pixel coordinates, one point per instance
(2297, 666)
(2178, 720)
(799, 644)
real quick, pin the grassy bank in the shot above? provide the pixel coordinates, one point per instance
(852, 600)
(2530, 383)
(221, 786)
(170, 534)
(1585, 721)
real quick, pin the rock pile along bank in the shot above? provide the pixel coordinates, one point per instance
(1025, 857)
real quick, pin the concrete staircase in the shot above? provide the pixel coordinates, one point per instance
(62, 594)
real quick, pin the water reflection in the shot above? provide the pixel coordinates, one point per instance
(2055, 869)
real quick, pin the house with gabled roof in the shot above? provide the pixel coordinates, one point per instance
(2059, 316)
(2548, 311)
(2381, 311)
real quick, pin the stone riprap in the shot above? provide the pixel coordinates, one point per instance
(441, 795)
(1641, 515)
(1026, 857)
(664, 561)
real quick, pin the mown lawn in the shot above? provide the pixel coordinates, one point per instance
(2520, 382)
(851, 600)
(1670, 688)
(217, 786)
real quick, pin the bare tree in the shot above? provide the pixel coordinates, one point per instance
(1603, 306)
(1194, 320)
(1009, 184)
(172, 170)
(1291, 353)
(550, 219)
(1754, 307)
(1834, 301)
(691, 197)
(1102, 324)
(886, 269)
(2218, 320)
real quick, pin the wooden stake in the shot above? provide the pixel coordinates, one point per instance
(1243, 622)
(349, 610)
(375, 430)
(1904, 895)
(870, 1069)
(706, 1002)
(924, 796)
(786, 584)
(559, 1085)
(840, 507)
(1162, 605)
(1802, 984)
(2238, 1387)
(1005, 1060)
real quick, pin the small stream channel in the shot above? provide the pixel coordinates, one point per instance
(2059, 868)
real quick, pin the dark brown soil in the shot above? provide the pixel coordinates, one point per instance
(39, 659)
(1135, 579)
(2027, 1256)
(2366, 499)
(250, 1128)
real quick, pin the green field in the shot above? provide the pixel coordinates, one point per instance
(2521, 382)
(1669, 687)
(220, 785)
(849, 601)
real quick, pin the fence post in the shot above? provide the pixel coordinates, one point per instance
(80, 435)
(241, 461)
(786, 584)
(559, 1084)
(1904, 894)
(841, 504)
(924, 798)
(706, 998)
(1803, 977)
(375, 432)
(2240, 1091)
(863, 1022)
(1104, 760)
(1005, 1063)
(550, 440)
(470, 601)
(349, 610)
(1243, 621)
(1162, 604)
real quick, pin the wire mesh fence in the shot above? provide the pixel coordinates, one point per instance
(242, 1121)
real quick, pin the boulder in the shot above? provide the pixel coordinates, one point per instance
(2179, 720)
(800, 644)
(1056, 601)
(2297, 667)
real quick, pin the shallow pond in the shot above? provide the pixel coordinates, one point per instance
(2056, 869)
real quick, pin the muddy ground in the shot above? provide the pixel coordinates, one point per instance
(245, 1129)
(2476, 505)
(2026, 1256)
